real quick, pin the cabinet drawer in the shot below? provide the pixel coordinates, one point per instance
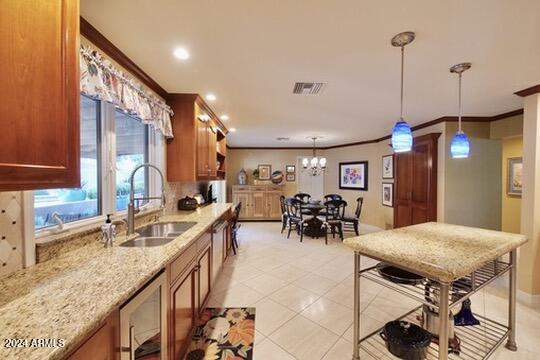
(237, 188)
(179, 265)
(203, 242)
(274, 188)
(258, 188)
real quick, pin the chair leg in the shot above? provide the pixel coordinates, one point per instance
(289, 232)
(341, 231)
(284, 225)
(233, 242)
(301, 232)
(356, 228)
(326, 235)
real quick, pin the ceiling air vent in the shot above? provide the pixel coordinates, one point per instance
(307, 88)
(282, 138)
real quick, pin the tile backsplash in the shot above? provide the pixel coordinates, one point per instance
(11, 232)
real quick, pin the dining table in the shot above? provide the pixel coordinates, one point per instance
(314, 225)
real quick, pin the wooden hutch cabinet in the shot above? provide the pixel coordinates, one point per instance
(259, 202)
(198, 149)
(39, 111)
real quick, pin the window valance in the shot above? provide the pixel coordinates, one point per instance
(102, 80)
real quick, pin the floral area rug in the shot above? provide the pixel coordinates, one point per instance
(224, 334)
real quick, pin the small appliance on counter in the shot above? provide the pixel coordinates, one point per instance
(188, 203)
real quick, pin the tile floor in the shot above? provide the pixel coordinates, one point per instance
(304, 298)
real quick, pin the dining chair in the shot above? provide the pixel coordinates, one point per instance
(329, 197)
(303, 197)
(335, 212)
(295, 216)
(351, 223)
(235, 226)
(284, 216)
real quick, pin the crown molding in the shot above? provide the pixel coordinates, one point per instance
(387, 137)
(528, 91)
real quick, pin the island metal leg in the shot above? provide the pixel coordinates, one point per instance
(443, 320)
(356, 324)
(511, 343)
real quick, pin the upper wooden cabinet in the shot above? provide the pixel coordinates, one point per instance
(39, 111)
(197, 151)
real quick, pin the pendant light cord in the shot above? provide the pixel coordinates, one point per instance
(402, 71)
(459, 103)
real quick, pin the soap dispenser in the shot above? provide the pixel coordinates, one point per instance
(108, 232)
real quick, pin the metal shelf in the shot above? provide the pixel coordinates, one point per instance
(477, 342)
(460, 290)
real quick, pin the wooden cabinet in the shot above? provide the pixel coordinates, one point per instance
(259, 202)
(182, 316)
(416, 183)
(193, 153)
(204, 276)
(103, 343)
(39, 111)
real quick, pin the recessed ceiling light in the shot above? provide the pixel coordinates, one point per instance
(211, 97)
(225, 117)
(181, 53)
(232, 129)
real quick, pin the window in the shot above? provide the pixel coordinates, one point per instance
(84, 202)
(131, 151)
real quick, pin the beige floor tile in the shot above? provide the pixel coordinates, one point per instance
(332, 272)
(315, 283)
(304, 339)
(288, 273)
(223, 283)
(236, 296)
(241, 273)
(294, 297)
(270, 315)
(342, 350)
(343, 294)
(259, 338)
(265, 284)
(268, 350)
(367, 326)
(330, 315)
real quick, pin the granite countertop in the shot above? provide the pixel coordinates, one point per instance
(438, 251)
(67, 297)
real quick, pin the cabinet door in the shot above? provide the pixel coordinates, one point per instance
(202, 149)
(182, 313)
(103, 344)
(39, 110)
(244, 198)
(273, 205)
(212, 150)
(258, 204)
(204, 274)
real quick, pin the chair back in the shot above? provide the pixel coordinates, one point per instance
(303, 197)
(332, 197)
(294, 207)
(335, 209)
(359, 203)
(282, 205)
(236, 215)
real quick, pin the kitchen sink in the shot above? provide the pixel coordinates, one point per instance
(158, 234)
(168, 230)
(148, 241)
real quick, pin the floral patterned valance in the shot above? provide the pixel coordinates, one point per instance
(100, 79)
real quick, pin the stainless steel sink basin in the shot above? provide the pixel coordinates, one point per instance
(147, 241)
(158, 234)
(170, 229)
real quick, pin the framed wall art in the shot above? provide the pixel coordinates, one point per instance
(353, 175)
(388, 167)
(514, 176)
(265, 172)
(290, 177)
(290, 169)
(388, 194)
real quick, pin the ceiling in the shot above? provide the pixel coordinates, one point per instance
(250, 54)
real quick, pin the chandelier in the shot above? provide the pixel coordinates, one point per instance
(315, 165)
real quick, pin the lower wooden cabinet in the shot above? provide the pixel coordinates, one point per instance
(204, 275)
(103, 344)
(259, 202)
(182, 306)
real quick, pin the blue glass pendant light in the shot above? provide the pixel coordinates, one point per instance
(460, 146)
(402, 139)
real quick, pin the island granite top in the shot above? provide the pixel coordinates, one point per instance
(438, 251)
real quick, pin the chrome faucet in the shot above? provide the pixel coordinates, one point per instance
(58, 221)
(131, 207)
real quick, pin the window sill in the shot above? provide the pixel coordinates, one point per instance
(87, 226)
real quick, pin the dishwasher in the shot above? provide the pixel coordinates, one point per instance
(143, 323)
